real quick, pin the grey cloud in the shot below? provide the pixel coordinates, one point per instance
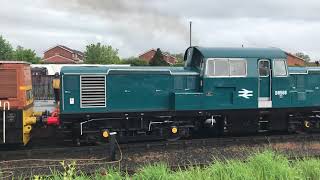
(137, 13)
(267, 9)
(133, 26)
(136, 23)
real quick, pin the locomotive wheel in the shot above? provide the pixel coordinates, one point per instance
(175, 133)
(175, 138)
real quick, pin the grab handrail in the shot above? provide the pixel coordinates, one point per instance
(5, 104)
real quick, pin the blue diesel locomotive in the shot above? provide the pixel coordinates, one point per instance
(218, 91)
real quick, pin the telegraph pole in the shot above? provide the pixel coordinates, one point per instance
(190, 33)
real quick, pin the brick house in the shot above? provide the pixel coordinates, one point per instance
(147, 56)
(295, 60)
(62, 55)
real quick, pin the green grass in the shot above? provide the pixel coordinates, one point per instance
(267, 165)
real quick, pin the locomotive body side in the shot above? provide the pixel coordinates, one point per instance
(124, 89)
(304, 87)
(220, 90)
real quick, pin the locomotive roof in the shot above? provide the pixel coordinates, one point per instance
(303, 70)
(107, 70)
(14, 62)
(222, 52)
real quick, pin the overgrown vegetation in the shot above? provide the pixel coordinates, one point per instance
(101, 54)
(19, 54)
(266, 165)
(158, 59)
(94, 54)
(306, 57)
(133, 61)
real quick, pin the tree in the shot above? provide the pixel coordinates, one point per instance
(6, 50)
(134, 61)
(158, 59)
(179, 57)
(303, 56)
(101, 54)
(21, 54)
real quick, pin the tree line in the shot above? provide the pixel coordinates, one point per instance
(94, 54)
(19, 54)
(102, 54)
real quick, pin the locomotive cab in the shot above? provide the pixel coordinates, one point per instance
(244, 83)
(240, 77)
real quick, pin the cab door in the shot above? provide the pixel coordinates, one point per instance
(264, 84)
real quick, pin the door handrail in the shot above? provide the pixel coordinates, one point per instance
(5, 105)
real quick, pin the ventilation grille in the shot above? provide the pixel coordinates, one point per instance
(93, 91)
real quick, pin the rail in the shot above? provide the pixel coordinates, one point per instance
(19, 160)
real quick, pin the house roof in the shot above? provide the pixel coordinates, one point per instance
(297, 57)
(67, 49)
(163, 53)
(73, 50)
(61, 60)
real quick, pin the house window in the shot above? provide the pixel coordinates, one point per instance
(226, 67)
(280, 68)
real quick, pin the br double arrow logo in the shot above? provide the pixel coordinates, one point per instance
(245, 93)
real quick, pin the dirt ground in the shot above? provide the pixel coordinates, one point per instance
(127, 160)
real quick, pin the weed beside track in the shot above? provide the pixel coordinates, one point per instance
(132, 157)
(265, 165)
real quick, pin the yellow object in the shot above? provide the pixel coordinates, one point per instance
(25, 87)
(306, 124)
(28, 120)
(174, 130)
(56, 83)
(105, 134)
(37, 113)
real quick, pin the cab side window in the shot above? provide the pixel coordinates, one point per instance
(279, 68)
(238, 68)
(189, 57)
(233, 67)
(210, 68)
(221, 68)
(264, 67)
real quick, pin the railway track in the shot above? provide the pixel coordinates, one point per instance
(54, 152)
(88, 158)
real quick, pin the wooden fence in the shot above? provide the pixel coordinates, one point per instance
(42, 87)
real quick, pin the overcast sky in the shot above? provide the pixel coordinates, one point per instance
(133, 26)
